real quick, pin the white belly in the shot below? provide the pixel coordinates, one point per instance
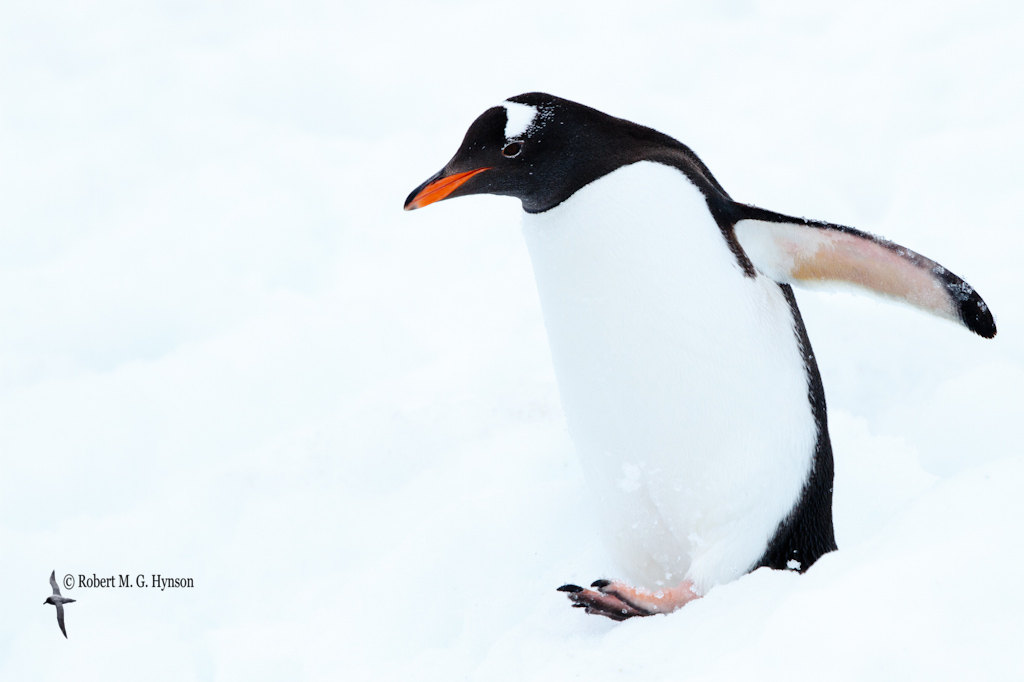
(681, 378)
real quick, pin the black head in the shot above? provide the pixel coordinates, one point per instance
(541, 149)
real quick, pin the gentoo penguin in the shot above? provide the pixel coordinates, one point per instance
(685, 372)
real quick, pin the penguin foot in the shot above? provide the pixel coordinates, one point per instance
(619, 601)
(601, 604)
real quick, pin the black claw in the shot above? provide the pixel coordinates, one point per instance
(578, 605)
(570, 588)
(601, 583)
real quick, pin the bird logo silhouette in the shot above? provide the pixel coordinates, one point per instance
(57, 600)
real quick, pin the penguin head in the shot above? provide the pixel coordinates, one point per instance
(536, 147)
(511, 149)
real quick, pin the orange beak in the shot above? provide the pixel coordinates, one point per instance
(440, 188)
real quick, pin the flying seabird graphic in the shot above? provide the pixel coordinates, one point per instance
(58, 601)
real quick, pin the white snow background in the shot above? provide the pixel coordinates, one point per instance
(226, 353)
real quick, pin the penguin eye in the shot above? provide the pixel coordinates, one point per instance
(512, 150)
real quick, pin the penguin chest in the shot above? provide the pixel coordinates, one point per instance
(681, 378)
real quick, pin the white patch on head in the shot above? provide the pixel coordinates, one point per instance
(519, 118)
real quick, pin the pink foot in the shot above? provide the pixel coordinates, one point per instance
(619, 601)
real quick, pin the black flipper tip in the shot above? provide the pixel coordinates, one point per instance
(969, 307)
(977, 317)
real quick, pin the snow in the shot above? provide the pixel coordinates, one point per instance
(228, 354)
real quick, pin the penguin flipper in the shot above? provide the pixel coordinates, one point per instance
(811, 252)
